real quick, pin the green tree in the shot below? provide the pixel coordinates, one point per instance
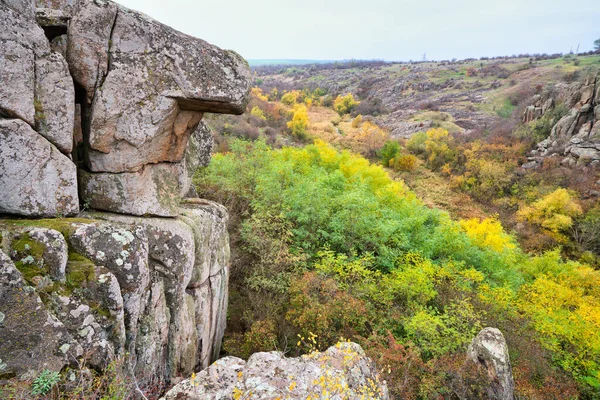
(597, 44)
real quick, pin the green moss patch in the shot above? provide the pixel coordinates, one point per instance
(62, 225)
(80, 271)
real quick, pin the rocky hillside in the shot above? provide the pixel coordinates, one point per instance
(464, 96)
(100, 133)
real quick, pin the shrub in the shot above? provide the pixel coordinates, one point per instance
(345, 104)
(257, 112)
(357, 121)
(45, 381)
(389, 151)
(299, 121)
(404, 163)
(554, 212)
(437, 148)
(416, 143)
(292, 97)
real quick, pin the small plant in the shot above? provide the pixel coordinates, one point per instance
(44, 382)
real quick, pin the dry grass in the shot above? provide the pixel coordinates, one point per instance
(435, 191)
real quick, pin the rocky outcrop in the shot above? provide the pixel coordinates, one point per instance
(113, 285)
(102, 106)
(142, 89)
(575, 137)
(488, 349)
(341, 372)
(36, 179)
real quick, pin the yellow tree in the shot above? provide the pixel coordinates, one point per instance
(553, 212)
(299, 121)
(345, 104)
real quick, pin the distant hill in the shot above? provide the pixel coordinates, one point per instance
(260, 62)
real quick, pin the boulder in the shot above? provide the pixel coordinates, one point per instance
(342, 371)
(488, 349)
(92, 311)
(188, 259)
(55, 100)
(154, 190)
(148, 85)
(122, 250)
(32, 338)
(36, 179)
(155, 288)
(55, 252)
(22, 40)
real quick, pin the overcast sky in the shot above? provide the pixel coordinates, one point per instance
(383, 29)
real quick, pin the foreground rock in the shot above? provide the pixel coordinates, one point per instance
(110, 285)
(341, 372)
(489, 350)
(142, 89)
(32, 338)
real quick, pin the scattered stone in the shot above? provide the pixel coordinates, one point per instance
(489, 350)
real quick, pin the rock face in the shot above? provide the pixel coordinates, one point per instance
(489, 350)
(152, 287)
(576, 136)
(36, 179)
(102, 106)
(142, 89)
(32, 338)
(341, 372)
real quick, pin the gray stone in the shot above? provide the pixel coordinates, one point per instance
(21, 39)
(154, 190)
(189, 271)
(489, 350)
(149, 85)
(93, 313)
(56, 251)
(55, 97)
(31, 337)
(122, 250)
(197, 155)
(24, 7)
(35, 178)
(347, 372)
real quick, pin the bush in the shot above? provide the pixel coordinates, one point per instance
(345, 104)
(416, 143)
(357, 121)
(389, 151)
(299, 121)
(257, 112)
(404, 163)
(45, 381)
(554, 212)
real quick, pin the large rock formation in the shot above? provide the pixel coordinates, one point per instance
(101, 106)
(576, 136)
(112, 284)
(341, 372)
(133, 89)
(488, 349)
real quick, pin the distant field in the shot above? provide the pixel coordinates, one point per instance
(260, 62)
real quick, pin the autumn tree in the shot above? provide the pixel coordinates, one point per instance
(299, 121)
(345, 104)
